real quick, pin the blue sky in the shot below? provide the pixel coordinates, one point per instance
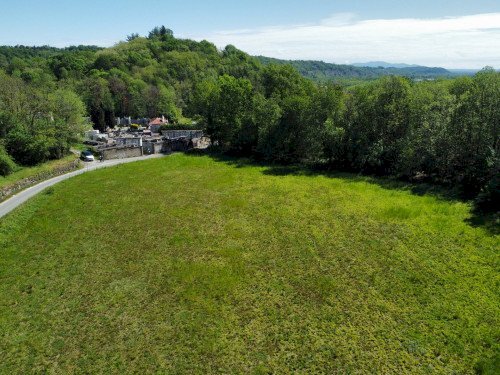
(449, 33)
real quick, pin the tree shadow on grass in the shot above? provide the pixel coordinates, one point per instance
(489, 222)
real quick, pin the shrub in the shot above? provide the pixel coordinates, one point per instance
(28, 149)
(7, 165)
(488, 200)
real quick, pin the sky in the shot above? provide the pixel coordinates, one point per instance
(448, 33)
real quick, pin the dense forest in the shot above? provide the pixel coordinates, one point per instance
(444, 131)
(322, 72)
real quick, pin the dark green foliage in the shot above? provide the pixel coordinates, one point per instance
(65, 65)
(132, 37)
(294, 135)
(107, 61)
(488, 200)
(474, 130)
(7, 165)
(281, 82)
(27, 148)
(100, 103)
(159, 32)
(228, 111)
(323, 72)
(37, 124)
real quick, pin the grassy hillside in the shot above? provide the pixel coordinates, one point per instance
(191, 265)
(33, 172)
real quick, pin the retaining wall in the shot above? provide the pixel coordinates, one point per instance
(121, 152)
(17, 186)
(173, 134)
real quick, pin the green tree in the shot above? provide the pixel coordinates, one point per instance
(28, 148)
(377, 124)
(472, 137)
(7, 165)
(231, 101)
(100, 103)
(67, 121)
(132, 37)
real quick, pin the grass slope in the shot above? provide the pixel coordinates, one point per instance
(28, 172)
(189, 265)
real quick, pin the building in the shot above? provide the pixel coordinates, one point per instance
(125, 142)
(129, 141)
(92, 135)
(156, 123)
(174, 134)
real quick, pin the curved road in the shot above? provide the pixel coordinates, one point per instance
(21, 197)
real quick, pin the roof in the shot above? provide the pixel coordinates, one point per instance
(158, 121)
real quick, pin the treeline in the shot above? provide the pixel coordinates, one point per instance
(37, 123)
(149, 77)
(321, 71)
(444, 131)
(145, 76)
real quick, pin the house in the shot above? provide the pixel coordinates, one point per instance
(137, 141)
(156, 123)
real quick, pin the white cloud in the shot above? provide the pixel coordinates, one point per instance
(454, 42)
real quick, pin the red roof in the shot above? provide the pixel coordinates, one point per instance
(158, 121)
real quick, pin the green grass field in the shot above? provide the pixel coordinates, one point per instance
(190, 265)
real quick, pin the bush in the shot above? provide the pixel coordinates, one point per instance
(7, 165)
(28, 149)
(488, 200)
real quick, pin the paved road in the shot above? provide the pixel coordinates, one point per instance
(21, 197)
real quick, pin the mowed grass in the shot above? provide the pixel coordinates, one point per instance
(190, 265)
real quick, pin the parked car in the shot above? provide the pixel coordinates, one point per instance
(87, 156)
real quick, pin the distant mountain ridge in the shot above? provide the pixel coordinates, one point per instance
(383, 64)
(322, 71)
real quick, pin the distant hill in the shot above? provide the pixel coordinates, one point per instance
(321, 71)
(383, 64)
(464, 72)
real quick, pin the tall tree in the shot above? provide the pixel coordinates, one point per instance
(100, 103)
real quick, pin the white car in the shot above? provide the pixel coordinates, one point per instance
(87, 156)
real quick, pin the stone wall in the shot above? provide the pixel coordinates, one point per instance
(121, 152)
(172, 134)
(17, 186)
(179, 144)
(152, 147)
(129, 141)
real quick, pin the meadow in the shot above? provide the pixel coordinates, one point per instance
(188, 264)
